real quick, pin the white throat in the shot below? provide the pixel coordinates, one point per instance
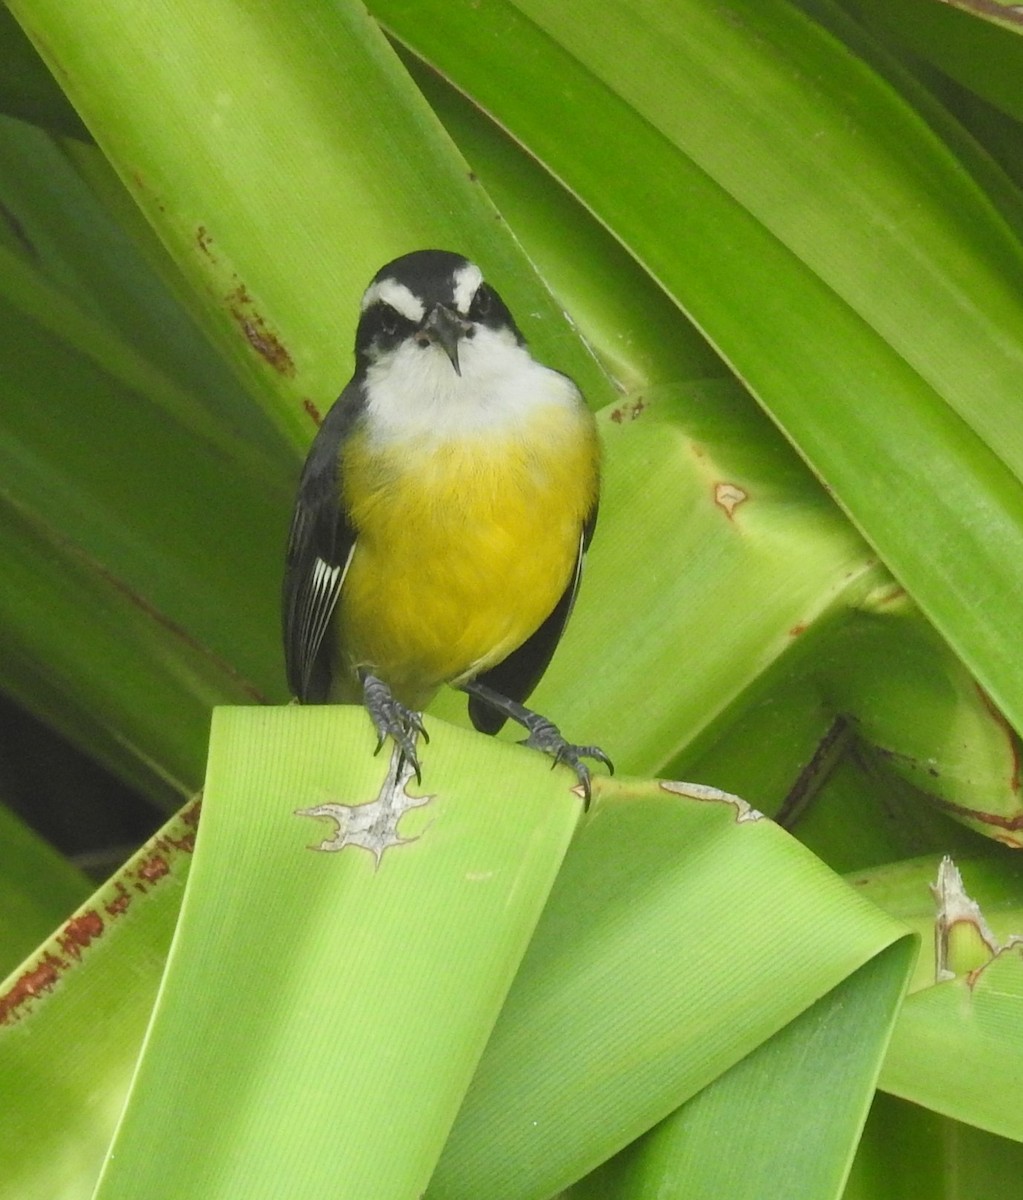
(413, 393)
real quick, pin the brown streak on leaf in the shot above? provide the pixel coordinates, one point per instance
(629, 412)
(151, 871)
(118, 906)
(258, 334)
(57, 539)
(1009, 732)
(79, 932)
(42, 977)
(82, 930)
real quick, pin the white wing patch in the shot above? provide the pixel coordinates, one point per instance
(467, 280)
(402, 299)
(324, 589)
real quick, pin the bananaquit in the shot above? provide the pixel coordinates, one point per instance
(442, 514)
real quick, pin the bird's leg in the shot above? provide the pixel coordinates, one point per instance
(544, 735)
(392, 719)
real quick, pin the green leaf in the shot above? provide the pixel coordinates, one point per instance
(91, 986)
(369, 978)
(957, 1047)
(681, 934)
(786, 1119)
(975, 42)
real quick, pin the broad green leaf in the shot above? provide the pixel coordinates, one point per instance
(142, 528)
(121, 622)
(265, 958)
(866, 816)
(928, 721)
(785, 1121)
(681, 934)
(71, 267)
(72, 1018)
(322, 1013)
(978, 44)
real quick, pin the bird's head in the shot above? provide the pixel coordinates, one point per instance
(431, 302)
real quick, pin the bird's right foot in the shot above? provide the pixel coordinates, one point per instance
(391, 719)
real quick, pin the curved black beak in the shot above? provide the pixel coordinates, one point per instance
(446, 329)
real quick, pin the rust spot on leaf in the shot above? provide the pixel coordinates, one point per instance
(151, 870)
(118, 904)
(39, 978)
(312, 410)
(629, 412)
(82, 930)
(79, 932)
(203, 239)
(258, 334)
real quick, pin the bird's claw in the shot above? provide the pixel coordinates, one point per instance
(391, 719)
(545, 736)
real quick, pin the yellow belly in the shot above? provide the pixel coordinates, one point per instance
(462, 549)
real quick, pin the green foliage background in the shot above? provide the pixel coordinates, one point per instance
(779, 246)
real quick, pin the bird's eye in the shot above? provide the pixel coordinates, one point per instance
(482, 303)
(390, 320)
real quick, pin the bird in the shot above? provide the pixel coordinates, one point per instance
(442, 516)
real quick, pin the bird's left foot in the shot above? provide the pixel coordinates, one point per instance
(544, 735)
(391, 719)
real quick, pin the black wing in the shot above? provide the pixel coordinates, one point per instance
(320, 547)
(517, 675)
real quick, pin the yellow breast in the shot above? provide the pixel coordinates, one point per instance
(463, 547)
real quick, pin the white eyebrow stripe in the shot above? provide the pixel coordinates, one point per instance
(398, 296)
(467, 279)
